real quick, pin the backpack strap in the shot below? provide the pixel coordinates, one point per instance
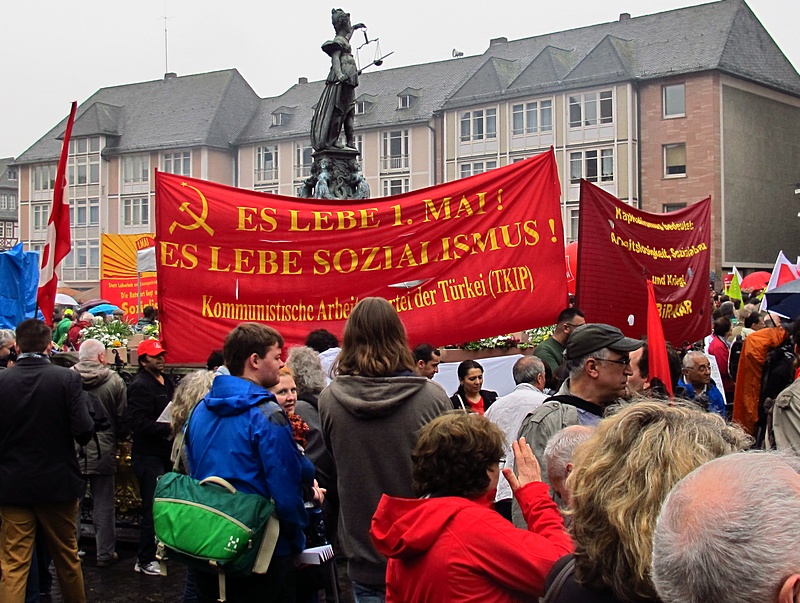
(564, 573)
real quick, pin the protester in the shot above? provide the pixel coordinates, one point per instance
(470, 394)
(621, 476)
(559, 452)
(62, 327)
(508, 413)
(8, 351)
(370, 414)
(239, 433)
(148, 395)
(149, 318)
(784, 428)
(74, 334)
(551, 350)
(448, 545)
(98, 459)
(427, 359)
(720, 349)
(45, 411)
(326, 345)
(728, 533)
(215, 360)
(698, 384)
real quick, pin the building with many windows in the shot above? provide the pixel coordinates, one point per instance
(661, 111)
(9, 234)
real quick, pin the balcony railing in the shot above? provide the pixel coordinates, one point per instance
(394, 162)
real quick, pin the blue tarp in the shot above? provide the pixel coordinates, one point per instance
(19, 283)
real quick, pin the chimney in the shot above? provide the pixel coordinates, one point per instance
(170, 75)
(302, 80)
(624, 16)
(496, 41)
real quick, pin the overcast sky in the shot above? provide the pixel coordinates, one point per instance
(57, 51)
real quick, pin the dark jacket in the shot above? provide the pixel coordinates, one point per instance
(568, 590)
(459, 399)
(109, 389)
(44, 412)
(147, 399)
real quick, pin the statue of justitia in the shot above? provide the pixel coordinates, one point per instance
(337, 105)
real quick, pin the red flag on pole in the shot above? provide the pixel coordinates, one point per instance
(58, 241)
(656, 344)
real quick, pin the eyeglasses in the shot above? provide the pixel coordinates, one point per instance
(626, 361)
(574, 326)
(703, 368)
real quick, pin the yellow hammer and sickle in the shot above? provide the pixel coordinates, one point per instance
(199, 221)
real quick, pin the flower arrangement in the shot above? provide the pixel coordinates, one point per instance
(152, 331)
(504, 342)
(114, 334)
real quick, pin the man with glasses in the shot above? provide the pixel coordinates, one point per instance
(699, 385)
(551, 350)
(599, 364)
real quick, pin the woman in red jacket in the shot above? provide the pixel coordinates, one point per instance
(450, 545)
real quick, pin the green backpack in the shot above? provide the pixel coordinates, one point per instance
(211, 526)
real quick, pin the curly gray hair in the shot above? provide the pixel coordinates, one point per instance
(307, 369)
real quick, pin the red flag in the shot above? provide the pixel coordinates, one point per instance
(656, 344)
(58, 241)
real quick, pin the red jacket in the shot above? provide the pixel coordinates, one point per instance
(453, 550)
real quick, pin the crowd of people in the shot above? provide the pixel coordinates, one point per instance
(587, 482)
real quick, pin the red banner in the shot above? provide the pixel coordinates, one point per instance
(120, 282)
(619, 247)
(473, 258)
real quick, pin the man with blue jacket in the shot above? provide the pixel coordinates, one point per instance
(239, 433)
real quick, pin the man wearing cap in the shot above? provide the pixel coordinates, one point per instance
(599, 364)
(62, 327)
(148, 394)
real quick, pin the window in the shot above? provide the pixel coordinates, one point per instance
(395, 186)
(668, 207)
(395, 150)
(302, 160)
(3, 201)
(84, 254)
(404, 101)
(11, 173)
(136, 169)
(41, 213)
(531, 118)
(362, 107)
(12, 201)
(593, 165)
(573, 220)
(584, 109)
(280, 119)
(477, 167)
(178, 163)
(478, 124)
(44, 177)
(675, 160)
(136, 213)
(84, 162)
(674, 100)
(266, 163)
(360, 145)
(84, 212)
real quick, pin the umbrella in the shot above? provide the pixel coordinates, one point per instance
(785, 300)
(86, 306)
(755, 281)
(65, 300)
(104, 308)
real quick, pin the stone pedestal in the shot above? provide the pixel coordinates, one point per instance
(335, 174)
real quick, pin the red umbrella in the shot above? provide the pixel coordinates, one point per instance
(755, 281)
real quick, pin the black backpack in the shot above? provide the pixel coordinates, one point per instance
(733, 356)
(776, 376)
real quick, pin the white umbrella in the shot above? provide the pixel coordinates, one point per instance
(65, 300)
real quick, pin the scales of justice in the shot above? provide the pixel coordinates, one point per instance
(335, 169)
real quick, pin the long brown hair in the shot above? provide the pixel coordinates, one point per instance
(374, 341)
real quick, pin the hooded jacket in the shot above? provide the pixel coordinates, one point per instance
(239, 433)
(455, 550)
(370, 425)
(109, 388)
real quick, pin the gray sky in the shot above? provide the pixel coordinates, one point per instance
(58, 51)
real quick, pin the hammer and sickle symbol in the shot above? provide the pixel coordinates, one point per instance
(199, 221)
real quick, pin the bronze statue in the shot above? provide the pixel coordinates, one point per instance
(337, 105)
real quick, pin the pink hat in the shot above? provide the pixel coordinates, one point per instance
(150, 347)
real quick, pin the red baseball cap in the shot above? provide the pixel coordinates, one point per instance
(150, 347)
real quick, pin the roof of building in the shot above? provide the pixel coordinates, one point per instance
(429, 83)
(5, 181)
(208, 109)
(723, 35)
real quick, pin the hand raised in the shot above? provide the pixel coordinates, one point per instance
(527, 466)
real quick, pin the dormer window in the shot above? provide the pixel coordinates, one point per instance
(280, 119)
(405, 101)
(11, 173)
(362, 107)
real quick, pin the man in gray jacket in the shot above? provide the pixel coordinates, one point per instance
(98, 459)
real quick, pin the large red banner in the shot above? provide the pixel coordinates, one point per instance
(468, 259)
(620, 247)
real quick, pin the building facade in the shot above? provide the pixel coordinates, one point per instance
(661, 111)
(9, 189)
